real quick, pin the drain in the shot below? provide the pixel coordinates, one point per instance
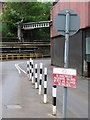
(13, 107)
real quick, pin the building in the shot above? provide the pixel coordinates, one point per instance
(79, 45)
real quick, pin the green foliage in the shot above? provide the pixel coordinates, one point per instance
(28, 11)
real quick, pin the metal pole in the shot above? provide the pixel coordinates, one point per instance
(66, 61)
(19, 35)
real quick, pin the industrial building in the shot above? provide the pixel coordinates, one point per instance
(79, 43)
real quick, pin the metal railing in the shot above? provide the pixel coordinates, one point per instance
(24, 50)
(32, 25)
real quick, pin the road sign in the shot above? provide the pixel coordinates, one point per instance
(67, 23)
(60, 22)
(64, 77)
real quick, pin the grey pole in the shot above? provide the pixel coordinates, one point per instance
(66, 61)
(19, 35)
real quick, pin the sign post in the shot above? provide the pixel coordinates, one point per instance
(67, 23)
(66, 60)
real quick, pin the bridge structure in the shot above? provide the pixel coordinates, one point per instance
(33, 25)
(20, 49)
(30, 26)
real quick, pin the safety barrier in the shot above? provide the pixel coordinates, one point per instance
(45, 85)
(27, 68)
(32, 72)
(54, 91)
(20, 56)
(36, 77)
(41, 77)
(30, 44)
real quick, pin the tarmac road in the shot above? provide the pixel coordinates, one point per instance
(13, 83)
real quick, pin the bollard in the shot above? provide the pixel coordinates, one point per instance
(36, 85)
(45, 85)
(54, 89)
(30, 73)
(27, 68)
(40, 78)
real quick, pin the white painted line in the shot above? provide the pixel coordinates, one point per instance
(22, 70)
(19, 68)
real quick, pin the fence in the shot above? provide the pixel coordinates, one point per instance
(24, 50)
(40, 75)
(20, 56)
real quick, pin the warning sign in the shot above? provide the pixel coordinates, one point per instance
(64, 77)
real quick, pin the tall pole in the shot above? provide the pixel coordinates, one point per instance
(19, 35)
(66, 60)
(19, 32)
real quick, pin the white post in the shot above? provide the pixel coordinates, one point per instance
(30, 74)
(40, 79)
(27, 68)
(54, 90)
(36, 85)
(45, 85)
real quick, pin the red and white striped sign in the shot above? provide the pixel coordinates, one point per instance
(64, 77)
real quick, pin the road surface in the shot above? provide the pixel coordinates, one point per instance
(16, 86)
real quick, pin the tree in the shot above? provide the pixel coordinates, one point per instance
(28, 11)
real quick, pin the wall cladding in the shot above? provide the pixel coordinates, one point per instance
(75, 51)
(81, 8)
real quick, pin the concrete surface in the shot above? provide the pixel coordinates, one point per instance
(18, 90)
(20, 98)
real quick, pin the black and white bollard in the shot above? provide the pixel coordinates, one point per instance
(32, 73)
(45, 85)
(36, 84)
(27, 68)
(40, 78)
(54, 90)
(30, 69)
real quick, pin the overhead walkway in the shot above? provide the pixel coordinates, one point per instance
(33, 25)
